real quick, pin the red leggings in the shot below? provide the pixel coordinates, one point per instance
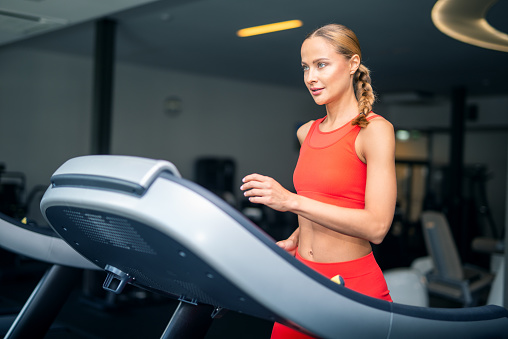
(362, 275)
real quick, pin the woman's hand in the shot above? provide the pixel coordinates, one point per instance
(264, 190)
(291, 243)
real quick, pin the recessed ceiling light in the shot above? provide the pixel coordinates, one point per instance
(275, 27)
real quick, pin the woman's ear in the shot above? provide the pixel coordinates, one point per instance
(354, 63)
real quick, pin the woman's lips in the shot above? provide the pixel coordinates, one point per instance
(316, 91)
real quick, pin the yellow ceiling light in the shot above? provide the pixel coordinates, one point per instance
(278, 26)
(464, 20)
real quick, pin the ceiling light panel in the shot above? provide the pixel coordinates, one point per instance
(270, 28)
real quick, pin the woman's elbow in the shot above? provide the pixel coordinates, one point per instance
(379, 233)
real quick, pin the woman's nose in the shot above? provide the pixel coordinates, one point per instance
(310, 76)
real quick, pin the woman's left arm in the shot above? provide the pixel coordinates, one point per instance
(376, 144)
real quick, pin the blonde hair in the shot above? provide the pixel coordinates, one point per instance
(346, 43)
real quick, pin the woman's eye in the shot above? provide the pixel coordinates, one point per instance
(305, 68)
(321, 64)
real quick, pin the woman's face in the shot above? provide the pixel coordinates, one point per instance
(327, 74)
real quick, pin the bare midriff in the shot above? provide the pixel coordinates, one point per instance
(320, 244)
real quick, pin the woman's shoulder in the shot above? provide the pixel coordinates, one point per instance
(378, 121)
(303, 130)
(378, 129)
(377, 139)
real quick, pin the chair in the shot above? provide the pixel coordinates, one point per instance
(495, 248)
(450, 278)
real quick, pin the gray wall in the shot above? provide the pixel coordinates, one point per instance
(45, 104)
(45, 113)
(253, 123)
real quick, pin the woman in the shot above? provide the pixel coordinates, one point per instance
(345, 175)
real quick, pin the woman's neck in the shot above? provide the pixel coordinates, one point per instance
(340, 112)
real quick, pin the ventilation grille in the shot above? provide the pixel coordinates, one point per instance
(110, 230)
(144, 279)
(195, 291)
(185, 290)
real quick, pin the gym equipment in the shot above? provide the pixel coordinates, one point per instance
(12, 187)
(495, 248)
(450, 278)
(145, 225)
(50, 294)
(406, 286)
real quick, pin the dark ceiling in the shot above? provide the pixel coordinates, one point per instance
(400, 44)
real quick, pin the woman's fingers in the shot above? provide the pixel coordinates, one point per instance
(288, 245)
(254, 192)
(281, 244)
(255, 181)
(265, 190)
(254, 177)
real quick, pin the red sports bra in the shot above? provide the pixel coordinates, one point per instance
(329, 170)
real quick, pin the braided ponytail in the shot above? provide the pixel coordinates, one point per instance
(364, 94)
